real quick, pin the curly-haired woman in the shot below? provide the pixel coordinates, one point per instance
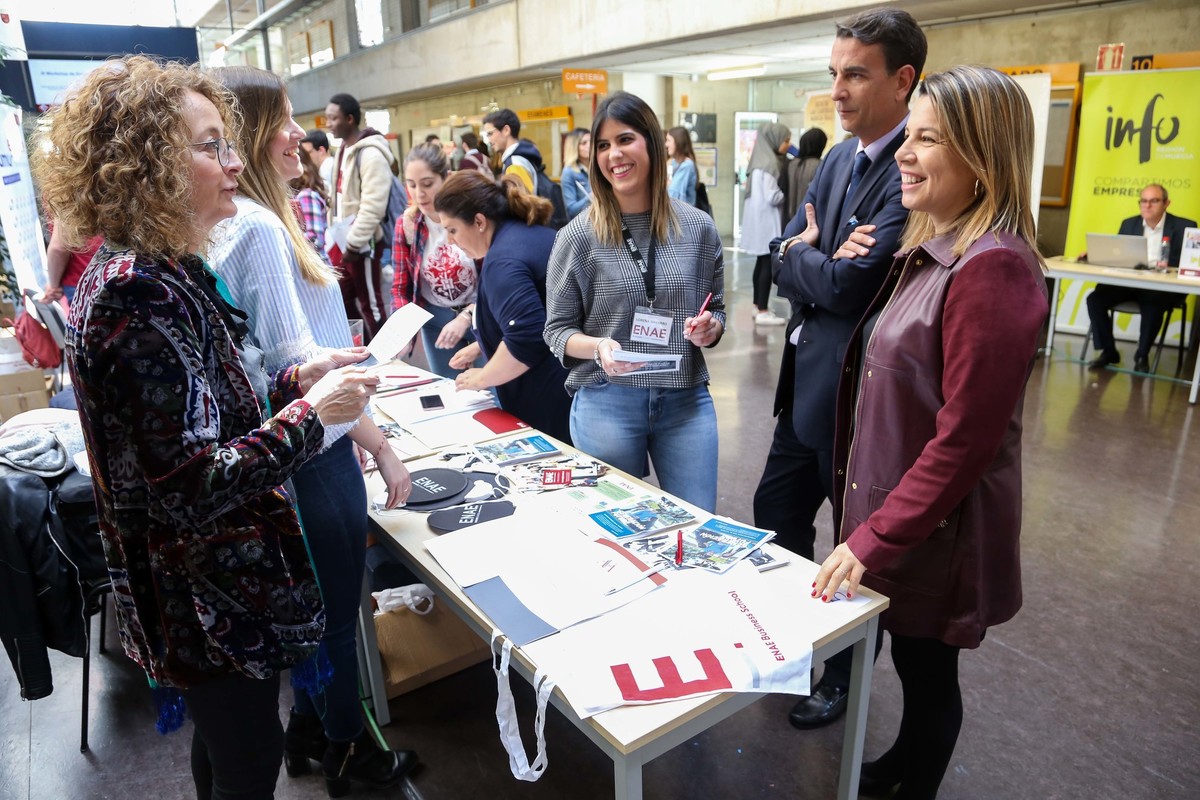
(214, 592)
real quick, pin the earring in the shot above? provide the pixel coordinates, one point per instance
(977, 187)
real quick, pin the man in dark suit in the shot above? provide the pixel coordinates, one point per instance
(1157, 226)
(829, 279)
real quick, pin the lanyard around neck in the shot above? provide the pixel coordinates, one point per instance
(646, 268)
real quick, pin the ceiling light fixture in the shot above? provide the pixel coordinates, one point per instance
(737, 72)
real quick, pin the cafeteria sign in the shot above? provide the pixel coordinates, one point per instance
(585, 81)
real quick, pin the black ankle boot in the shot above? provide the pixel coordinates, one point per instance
(361, 760)
(303, 741)
(876, 780)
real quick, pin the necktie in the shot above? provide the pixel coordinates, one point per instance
(862, 162)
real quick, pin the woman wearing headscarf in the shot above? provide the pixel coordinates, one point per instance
(762, 215)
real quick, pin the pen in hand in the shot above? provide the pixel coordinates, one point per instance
(703, 308)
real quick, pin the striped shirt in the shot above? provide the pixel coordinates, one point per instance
(593, 289)
(291, 319)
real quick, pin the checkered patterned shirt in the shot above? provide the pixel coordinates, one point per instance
(593, 289)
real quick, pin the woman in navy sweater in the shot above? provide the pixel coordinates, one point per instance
(505, 226)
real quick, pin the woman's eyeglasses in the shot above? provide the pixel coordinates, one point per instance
(221, 148)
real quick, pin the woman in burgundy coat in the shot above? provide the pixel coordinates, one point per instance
(927, 456)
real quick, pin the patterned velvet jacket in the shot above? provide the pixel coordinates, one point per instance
(209, 569)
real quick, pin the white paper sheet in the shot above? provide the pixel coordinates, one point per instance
(398, 331)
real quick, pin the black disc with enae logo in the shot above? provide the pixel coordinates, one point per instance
(436, 487)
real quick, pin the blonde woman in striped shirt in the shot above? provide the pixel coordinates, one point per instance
(295, 310)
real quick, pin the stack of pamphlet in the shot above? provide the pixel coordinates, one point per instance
(717, 544)
(517, 451)
(641, 517)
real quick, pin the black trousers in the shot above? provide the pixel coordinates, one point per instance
(762, 282)
(237, 745)
(795, 482)
(1154, 306)
(931, 720)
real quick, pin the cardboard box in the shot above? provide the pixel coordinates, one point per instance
(23, 390)
(418, 649)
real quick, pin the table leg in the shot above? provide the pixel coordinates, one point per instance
(1195, 377)
(856, 712)
(1049, 349)
(627, 772)
(370, 664)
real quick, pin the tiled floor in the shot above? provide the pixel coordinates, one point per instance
(1089, 693)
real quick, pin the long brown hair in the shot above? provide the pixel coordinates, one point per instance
(262, 100)
(604, 212)
(465, 194)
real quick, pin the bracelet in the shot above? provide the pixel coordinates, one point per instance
(383, 442)
(596, 352)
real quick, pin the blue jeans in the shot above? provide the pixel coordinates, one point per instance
(676, 428)
(332, 500)
(439, 360)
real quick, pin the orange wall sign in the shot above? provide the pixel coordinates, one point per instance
(1166, 60)
(544, 114)
(585, 81)
(1059, 73)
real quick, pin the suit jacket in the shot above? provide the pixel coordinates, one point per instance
(829, 295)
(1173, 228)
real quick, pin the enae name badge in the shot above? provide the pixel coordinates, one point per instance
(651, 326)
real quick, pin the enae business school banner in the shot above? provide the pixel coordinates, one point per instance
(1135, 128)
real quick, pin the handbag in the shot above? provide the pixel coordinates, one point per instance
(37, 344)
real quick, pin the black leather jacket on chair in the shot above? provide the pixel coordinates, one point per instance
(42, 562)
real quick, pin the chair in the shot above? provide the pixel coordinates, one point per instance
(94, 594)
(1132, 307)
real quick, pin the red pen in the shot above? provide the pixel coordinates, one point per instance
(703, 307)
(679, 545)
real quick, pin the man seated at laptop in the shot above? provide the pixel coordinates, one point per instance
(1155, 224)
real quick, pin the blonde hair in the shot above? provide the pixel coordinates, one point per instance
(604, 212)
(262, 101)
(115, 159)
(571, 147)
(987, 122)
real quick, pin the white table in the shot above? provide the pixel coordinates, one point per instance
(634, 735)
(1060, 268)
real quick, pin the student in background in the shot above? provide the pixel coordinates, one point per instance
(430, 270)
(312, 198)
(683, 166)
(577, 154)
(803, 168)
(292, 301)
(316, 144)
(362, 184)
(473, 156)
(596, 292)
(504, 226)
(762, 215)
(927, 452)
(64, 266)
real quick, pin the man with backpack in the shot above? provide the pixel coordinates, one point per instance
(521, 156)
(362, 193)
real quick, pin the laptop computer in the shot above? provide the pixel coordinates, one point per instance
(1117, 250)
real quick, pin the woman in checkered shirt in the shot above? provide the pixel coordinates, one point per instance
(630, 275)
